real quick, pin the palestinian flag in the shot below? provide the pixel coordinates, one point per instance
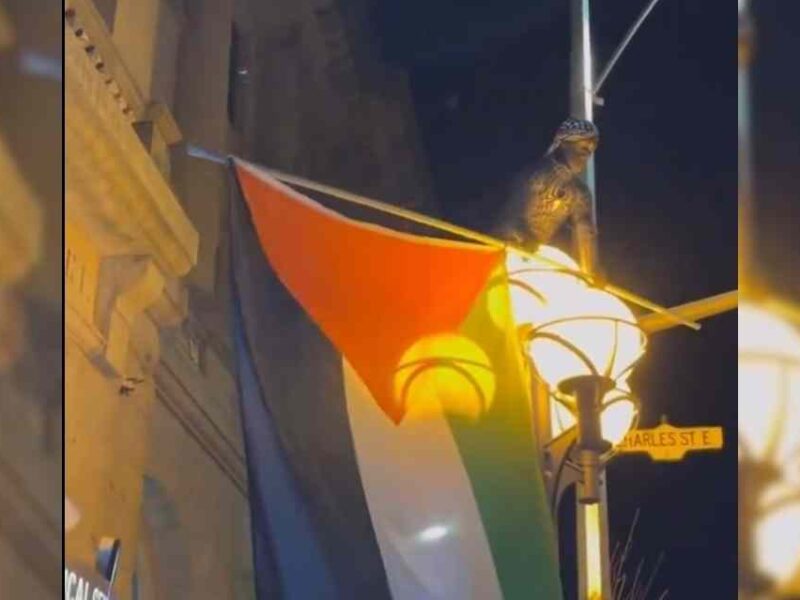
(385, 409)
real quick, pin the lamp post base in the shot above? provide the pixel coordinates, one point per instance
(589, 491)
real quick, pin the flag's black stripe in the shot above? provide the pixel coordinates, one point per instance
(266, 576)
(301, 383)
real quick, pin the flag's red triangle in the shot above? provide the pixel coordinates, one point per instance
(371, 290)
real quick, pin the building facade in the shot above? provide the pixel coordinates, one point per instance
(153, 447)
(30, 300)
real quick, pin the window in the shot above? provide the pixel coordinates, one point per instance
(163, 566)
(237, 78)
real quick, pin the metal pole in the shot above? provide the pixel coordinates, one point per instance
(746, 215)
(697, 310)
(581, 96)
(751, 585)
(581, 107)
(594, 578)
(594, 573)
(621, 48)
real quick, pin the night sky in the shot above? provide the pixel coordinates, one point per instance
(776, 132)
(491, 85)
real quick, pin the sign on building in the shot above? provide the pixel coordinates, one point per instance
(82, 584)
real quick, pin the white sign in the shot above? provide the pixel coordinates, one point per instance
(78, 586)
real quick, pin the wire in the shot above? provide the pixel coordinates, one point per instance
(621, 48)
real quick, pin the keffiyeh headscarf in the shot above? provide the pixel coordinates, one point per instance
(574, 129)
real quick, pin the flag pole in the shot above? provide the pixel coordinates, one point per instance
(444, 226)
(470, 234)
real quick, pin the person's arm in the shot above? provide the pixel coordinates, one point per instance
(517, 233)
(584, 231)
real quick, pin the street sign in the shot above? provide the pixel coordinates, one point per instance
(668, 443)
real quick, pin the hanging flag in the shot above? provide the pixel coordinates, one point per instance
(385, 409)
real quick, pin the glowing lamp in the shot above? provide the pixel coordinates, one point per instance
(590, 333)
(582, 341)
(576, 330)
(769, 452)
(618, 417)
(769, 384)
(444, 374)
(551, 273)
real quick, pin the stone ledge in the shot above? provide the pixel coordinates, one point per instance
(86, 23)
(129, 240)
(114, 189)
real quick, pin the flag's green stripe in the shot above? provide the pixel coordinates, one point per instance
(501, 461)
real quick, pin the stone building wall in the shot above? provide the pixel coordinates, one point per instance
(153, 445)
(329, 109)
(30, 300)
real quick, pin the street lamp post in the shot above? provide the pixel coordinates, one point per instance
(769, 396)
(581, 107)
(583, 343)
(769, 455)
(594, 569)
(745, 166)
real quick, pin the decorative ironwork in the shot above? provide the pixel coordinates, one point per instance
(538, 332)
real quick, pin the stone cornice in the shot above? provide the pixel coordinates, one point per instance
(114, 189)
(128, 241)
(86, 23)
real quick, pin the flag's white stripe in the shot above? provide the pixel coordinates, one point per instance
(426, 520)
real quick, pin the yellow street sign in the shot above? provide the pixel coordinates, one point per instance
(668, 443)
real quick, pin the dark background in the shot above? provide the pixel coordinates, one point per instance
(776, 132)
(491, 84)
